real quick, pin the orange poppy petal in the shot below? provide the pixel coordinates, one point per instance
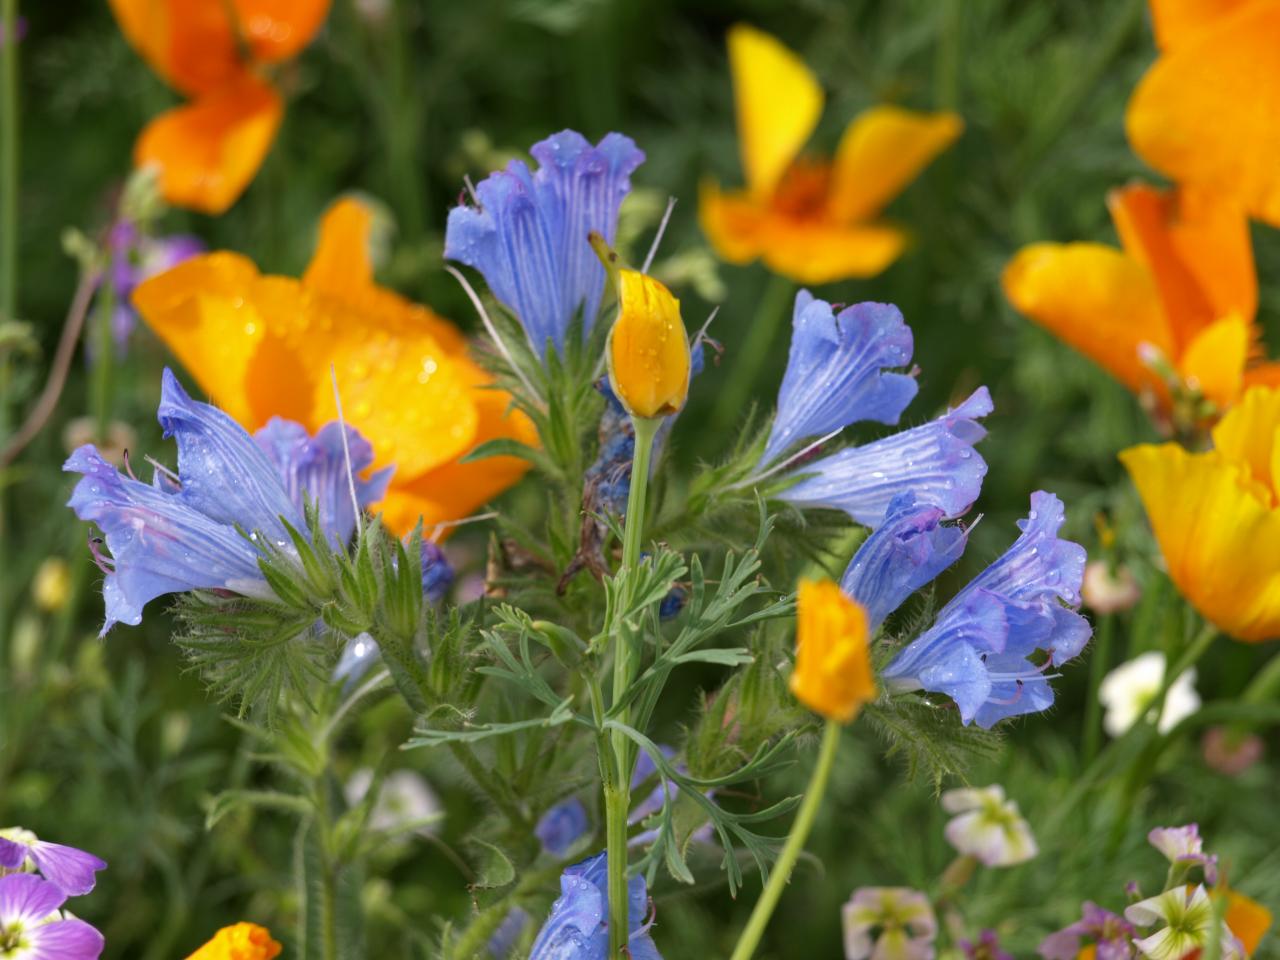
(276, 30)
(1219, 537)
(821, 251)
(732, 222)
(1177, 21)
(882, 151)
(1204, 113)
(1247, 433)
(1196, 246)
(456, 489)
(1247, 919)
(209, 150)
(1263, 375)
(191, 45)
(1214, 361)
(198, 310)
(778, 102)
(1094, 298)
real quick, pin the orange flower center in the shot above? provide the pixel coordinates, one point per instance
(804, 189)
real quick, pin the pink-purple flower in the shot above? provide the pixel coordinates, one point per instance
(70, 870)
(34, 927)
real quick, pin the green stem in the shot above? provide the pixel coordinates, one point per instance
(755, 348)
(617, 790)
(781, 874)
(1098, 665)
(1265, 684)
(104, 353)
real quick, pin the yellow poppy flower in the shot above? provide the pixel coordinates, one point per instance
(648, 348)
(209, 150)
(243, 941)
(833, 675)
(262, 346)
(1184, 287)
(1204, 113)
(1216, 516)
(814, 222)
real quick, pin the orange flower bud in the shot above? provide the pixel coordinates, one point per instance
(648, 348)
(244, 941)
(833, 666)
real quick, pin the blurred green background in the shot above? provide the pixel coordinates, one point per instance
(111, 744)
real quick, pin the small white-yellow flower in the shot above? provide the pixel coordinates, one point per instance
(989, 827)
(1188, 916)
(1127, 693)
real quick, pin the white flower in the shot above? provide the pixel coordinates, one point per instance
(900, 918)
(1106, 592)
(1187, 918)
(405, 804)
(989, 827)
(1127, 693)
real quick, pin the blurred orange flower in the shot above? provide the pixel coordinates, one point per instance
(262, 346)
(1204, 114)
(1183, 287)
(1216, 516)
(212, 52)
(813, 221)
(833, 675)
(243, 941)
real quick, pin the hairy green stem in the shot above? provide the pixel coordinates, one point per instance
(781, 874)
(760, 336)
(617, 789)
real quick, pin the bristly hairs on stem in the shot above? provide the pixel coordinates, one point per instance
(779, 467)
(493, 331)
(346, 452)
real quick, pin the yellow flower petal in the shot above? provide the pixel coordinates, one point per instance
(883, 150)
(1198, 250)
(833, 675)
(244, 941)
(820, 251)
(648, 348)
(1204, 113)
(1218, 534)
(1214, 361)
(734, 223)
(208, 151)
(1247, 919)
(1094, 298)
(1247, 434)
(778, 102)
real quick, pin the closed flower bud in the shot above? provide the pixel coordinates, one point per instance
(833, 667)
(648, 348)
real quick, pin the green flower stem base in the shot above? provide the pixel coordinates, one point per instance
(781, 874)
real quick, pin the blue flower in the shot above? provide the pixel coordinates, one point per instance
(317, 466)
(835, 373)
(437, 572)
(977, 650)
(528, 236)
(504, 939)
(179, 533)
(936, 461)
(577, 928)
(909, 549)
(562, 826)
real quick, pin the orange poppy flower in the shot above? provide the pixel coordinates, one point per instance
(262, 346)
(813, 221)
(208, 150)
(1183, 287)
(242, 941)
(1204, 113)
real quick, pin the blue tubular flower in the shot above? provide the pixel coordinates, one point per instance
(910, 548)
(936, 461)
(562, 826)
(577, 928)
(528, 237)
(835, 370)
(977, 650)
(317, 466)
(171, 535)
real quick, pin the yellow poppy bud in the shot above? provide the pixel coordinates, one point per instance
(52, 585)
(648, 348)
(833, 674)
(244, 941)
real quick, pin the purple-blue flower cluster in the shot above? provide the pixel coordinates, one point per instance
(135, 257)
(528, 232)
(577, 928)
(182, 531)
(991, 649)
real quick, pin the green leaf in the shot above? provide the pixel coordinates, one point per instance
(470, 733)
(493, 868)
(230, 800)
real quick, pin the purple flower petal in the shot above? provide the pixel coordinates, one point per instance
(577, 927)
(67, 868)
(562, 826)
(70, 939)
(12, 855)
(27, 899)
(835, 370)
